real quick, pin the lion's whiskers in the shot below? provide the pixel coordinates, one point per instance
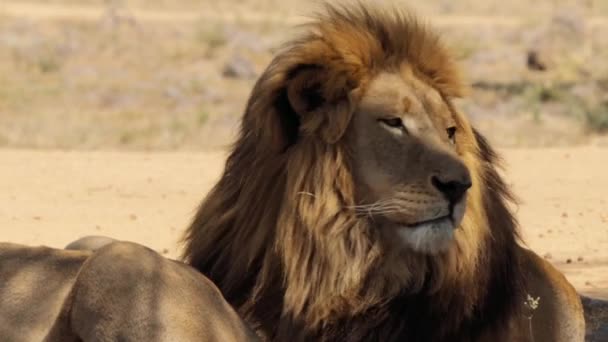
(381, 207)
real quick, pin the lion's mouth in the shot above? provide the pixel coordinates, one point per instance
(449, 218)
(431, 222)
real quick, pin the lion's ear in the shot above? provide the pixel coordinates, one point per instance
(304, 89)
(320, 101)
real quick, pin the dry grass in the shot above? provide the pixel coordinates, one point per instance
(147, 74)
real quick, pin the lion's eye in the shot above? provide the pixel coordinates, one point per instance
(393, 123)
(452, 134)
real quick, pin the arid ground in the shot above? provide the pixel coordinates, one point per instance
(114, 114)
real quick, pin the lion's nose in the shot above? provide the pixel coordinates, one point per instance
(453, 190)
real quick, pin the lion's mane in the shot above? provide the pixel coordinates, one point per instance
(276, 235)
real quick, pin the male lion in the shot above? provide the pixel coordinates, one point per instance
(358, 203)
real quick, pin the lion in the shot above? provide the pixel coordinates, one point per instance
(359, 204)
(120, 292)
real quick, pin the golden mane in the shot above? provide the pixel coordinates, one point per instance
(275, 233)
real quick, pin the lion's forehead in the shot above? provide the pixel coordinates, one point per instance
(408, 96)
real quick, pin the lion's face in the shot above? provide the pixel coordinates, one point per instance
(409, 177)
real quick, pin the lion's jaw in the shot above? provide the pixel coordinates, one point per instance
(434, 236)
(407, 142)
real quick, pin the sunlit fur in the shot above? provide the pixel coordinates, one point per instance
(276, 235)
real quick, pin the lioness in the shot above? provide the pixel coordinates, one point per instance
(122, 292)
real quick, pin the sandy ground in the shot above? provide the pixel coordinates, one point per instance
(51, 198)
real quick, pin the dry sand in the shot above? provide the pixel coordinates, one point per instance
(52, 198)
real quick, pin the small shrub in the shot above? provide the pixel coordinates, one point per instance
(212, 37)
(203, 116)
(48, 64)
(596, 117)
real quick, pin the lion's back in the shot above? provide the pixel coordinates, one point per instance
(34, 283)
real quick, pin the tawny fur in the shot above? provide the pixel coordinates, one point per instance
(275, 233)
(120, 292)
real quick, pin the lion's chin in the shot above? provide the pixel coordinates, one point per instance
(428, 238)
(434, 236)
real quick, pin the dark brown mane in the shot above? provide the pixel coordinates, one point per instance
(273, 233)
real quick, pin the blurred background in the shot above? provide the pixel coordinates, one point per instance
(175, 74)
